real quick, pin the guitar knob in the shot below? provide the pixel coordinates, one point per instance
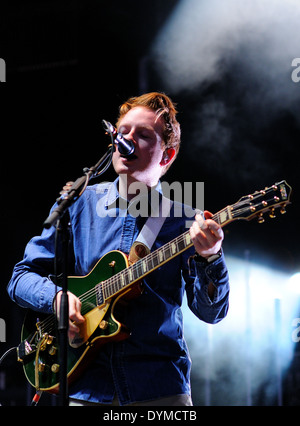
(52, 351)
(41, 367)
(260, 218)
(55, 368)
(103, 325)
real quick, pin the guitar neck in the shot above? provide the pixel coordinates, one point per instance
(224, 216)
(157, 258)
(247, 207)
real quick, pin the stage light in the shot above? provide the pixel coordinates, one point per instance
(294, 283)
(253, 346)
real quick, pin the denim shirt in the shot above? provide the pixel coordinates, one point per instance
(154, 361)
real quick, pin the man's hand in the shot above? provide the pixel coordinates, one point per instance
(74, 312)
(207, 235)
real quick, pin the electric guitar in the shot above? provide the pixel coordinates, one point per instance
(114, 279)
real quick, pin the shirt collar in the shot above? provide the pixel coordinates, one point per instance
(113, 194)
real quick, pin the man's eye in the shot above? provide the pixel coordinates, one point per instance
(145, 136)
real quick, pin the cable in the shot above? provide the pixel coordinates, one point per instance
(7, 353)
(36, 398)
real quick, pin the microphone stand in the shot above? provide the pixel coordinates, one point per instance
(59, 218)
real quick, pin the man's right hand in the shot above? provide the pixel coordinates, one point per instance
(74, 312)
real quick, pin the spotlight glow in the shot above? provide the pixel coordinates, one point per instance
(257, 331)
(294, 283)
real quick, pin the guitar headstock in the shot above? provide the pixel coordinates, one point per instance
(267, 200)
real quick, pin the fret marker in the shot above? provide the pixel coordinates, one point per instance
(122, 280)
(187, 239)
(223, 216)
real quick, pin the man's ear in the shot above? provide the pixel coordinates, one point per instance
(168, 156)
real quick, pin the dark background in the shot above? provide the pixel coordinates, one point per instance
(71, 64)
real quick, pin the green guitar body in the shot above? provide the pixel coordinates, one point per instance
(39, 349)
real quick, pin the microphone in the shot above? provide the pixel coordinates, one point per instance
(125, 146)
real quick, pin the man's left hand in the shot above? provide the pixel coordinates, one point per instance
(207, 235)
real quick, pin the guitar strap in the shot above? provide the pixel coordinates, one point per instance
(154, 223)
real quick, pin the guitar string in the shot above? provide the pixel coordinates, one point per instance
(84, 298)
(48, 324)
(110, 282)
(182, 237)
(115, 280)
(134, 269)
(242, 210)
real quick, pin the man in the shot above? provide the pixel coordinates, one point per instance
(152, 366)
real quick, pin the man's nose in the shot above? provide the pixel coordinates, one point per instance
(131, 136)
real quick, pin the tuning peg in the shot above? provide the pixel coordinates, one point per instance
(282, 210)
(260, 218)
(66, 188)
(272, 213)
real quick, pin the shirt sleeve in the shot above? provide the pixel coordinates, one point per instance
(31, 285)
(197, 280)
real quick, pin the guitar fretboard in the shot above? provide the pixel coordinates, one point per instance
(223, 217)
(152, 261)
(247, 208)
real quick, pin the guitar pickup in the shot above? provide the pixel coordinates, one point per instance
(99, 294)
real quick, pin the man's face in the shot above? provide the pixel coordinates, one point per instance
(141, 126)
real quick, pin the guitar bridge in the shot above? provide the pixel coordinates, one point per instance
(25, 351)
(28, 347)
